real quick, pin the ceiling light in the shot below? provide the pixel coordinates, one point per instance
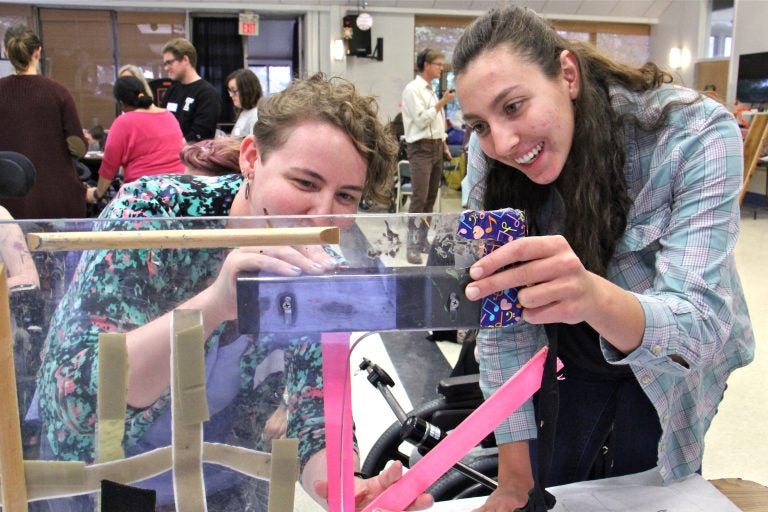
(364, 21)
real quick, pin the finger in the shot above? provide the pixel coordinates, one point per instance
(423, 502)
(319, 255)
(289, 255)
(516, 251)
(391, 474)
(321, 488)
(555, 312)
(250, 262)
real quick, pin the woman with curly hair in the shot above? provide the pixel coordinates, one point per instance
(317, 149)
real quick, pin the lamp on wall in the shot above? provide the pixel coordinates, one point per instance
(337, 49)
(675, 57)
(679, 58)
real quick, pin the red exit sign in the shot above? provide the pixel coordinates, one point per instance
(248, 24)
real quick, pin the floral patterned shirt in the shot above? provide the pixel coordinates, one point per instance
(120, 290)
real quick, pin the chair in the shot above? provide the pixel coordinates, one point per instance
(403, 188)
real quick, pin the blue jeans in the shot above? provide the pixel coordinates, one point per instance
(605, 427)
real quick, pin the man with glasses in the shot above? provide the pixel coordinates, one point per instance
(193, 101)
(424, 123)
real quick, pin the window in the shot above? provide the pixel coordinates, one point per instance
(273, 78)
(12, 15)
(78, 49)
(440, 33)
(630, 43)
(271, 54)
(720, 29)
(626, 42)
(141, 37)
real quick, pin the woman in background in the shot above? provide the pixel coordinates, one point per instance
(40, 121)
(145, 140)
(135, 71)
(212, 157)
(245, 90)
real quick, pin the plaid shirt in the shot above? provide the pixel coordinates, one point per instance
(676, 256)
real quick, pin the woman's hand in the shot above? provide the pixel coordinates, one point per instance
(287, 261)
(515, 477)
(504, 500)
(366, 490)
(90, 195)
(554, 285)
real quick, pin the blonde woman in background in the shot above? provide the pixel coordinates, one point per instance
(135, 71)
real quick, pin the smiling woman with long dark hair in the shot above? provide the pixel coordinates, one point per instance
(631, 184)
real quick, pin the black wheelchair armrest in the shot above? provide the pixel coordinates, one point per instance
(460, 389)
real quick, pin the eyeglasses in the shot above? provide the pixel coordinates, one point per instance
(169, 62)
(232, 92)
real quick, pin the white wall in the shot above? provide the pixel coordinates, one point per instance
(680, 25)
(386, 79)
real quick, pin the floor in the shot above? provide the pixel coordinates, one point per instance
(734, 447)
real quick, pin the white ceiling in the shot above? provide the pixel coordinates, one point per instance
(577, 8)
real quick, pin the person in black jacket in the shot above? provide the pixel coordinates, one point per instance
(193, 101)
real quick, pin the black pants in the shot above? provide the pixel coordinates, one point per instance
(605, 428)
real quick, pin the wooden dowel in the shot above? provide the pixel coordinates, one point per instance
(12, 479)
(178, 239)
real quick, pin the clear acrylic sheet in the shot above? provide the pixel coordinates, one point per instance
(406, 302)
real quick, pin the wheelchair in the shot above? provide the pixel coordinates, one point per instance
(458, 396)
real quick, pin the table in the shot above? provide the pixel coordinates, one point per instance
(748, 496)
(644, 492)
(92, 161)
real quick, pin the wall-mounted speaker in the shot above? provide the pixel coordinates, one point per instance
(360, 44)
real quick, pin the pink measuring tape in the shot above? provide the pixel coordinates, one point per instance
(337, 406)
(510, 396)
(523, 384)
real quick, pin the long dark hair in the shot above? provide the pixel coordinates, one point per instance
(592, 182)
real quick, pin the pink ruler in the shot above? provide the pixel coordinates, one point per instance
(337, 400)
(463, 438)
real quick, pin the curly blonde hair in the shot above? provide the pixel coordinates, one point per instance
(337, 102)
